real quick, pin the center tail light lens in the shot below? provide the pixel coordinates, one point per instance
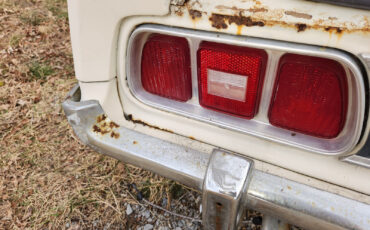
(310, 96)
(230, 78)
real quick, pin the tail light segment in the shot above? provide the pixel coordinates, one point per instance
(230, 78)
(165, 67)
(310, 98)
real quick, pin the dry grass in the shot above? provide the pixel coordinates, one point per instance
(47, 178)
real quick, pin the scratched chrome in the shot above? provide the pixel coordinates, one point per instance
(225, 183)
(293, 202)
(272, 223)
(259, 125)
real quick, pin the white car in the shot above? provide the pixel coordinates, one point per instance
(260, 104)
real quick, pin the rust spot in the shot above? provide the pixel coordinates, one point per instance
(113, 125)
(298, 15)
(129, 117)
(195, 14)
(218, 220)
(101, 118)
(301, 27)
(114, 135)
(103, 132)
(218, 21)
(334, 29)
(103, 126)
(246, 21)
(192, 138)
(96, 129)
(239, 30)
(290, 188)
(135, 142)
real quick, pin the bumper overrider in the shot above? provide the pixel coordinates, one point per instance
(228, 181)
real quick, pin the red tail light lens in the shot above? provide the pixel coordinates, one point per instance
(165, 67)
(230, 78)
(310, 96)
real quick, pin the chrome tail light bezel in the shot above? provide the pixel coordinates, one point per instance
(258, 126)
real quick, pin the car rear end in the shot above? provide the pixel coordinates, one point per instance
(258, 104)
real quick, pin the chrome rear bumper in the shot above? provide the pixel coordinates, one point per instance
(290, 201)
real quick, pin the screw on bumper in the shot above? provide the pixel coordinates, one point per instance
(227, 188)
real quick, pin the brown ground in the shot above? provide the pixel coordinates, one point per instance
(48, 179)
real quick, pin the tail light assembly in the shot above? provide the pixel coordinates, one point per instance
(294, 94)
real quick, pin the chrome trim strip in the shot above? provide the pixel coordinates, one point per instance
(362, 157)
(358, 160)
(296, 203)
(366, 58)
(259, 126)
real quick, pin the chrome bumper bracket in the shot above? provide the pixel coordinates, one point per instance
(225, 183)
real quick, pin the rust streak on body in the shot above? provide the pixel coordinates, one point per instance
(262, 16)
(334, 29)
(129, 117)
(239, 30)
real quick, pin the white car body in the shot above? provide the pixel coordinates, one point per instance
(100, 31)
